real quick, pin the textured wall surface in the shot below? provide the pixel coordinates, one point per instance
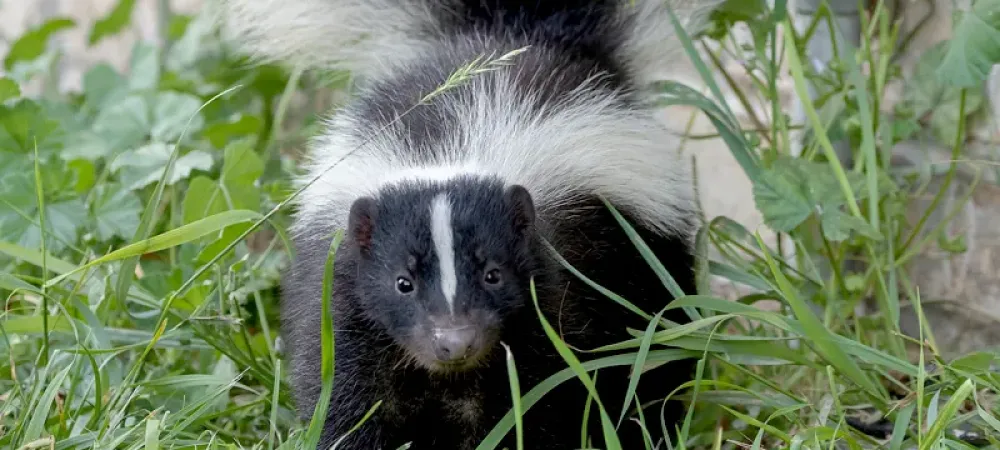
(969, 280)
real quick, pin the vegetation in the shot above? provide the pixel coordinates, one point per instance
(143, 230)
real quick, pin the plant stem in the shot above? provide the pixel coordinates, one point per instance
(948, 177)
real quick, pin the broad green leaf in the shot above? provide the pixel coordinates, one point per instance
(101, 83)
(19, 218)
(242, 165)
(780, 199)
(173, 113)
(84, 173)
(144, 67)
(792, 189)
(27, 124)
(227, 237)
(203, 198)
(123, 124)
(974, 362)
(191, 40)
(116, 212)
(236, 190)
(113, 23)
(837, 226)
(8, 89)
(926, 94)
(145, 165)
(87, 146)
(32, 44)
(220, 133)
(974, 48)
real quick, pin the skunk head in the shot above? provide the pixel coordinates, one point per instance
(441, 264)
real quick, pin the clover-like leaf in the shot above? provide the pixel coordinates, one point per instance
(241, 165)
(102, 84)
(928, 95)
(236, 188)
(975, 47)
(793, 188)
(124, 124)
(781, 199)
(26, 125)
(20, 221)
(837, 225)
(220, 133)
(144, 67)
(116, 212)
(145, 165)
(173, 113)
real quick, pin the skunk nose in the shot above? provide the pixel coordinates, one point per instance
(453, 344)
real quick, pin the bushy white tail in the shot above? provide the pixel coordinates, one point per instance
(364, 35)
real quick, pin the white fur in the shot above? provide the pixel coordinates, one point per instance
(371, 36)
(443, 237)
(651, 45)
(591, 146)
(355, 35)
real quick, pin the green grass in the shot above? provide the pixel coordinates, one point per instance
(143, 227)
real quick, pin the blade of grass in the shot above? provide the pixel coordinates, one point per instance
(647, 254)
(177, 236)
(899, 428)
(152, 437)
(610, 437)
(607, 293)
(515, 395)
(819, 131)
(40, 413)
(40, 198)
(821, 337)
(640, 361)
(328, 359)
(945, 415)
(36, 258)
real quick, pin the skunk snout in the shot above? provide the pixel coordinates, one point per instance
(455, 344)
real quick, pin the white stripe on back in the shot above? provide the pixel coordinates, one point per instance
(441, 233)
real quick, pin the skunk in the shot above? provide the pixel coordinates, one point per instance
(483, 134)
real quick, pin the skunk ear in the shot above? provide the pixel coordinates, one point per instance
(522, 206)
(361, 223)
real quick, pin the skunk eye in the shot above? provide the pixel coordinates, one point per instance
(403, 285)
(492, 277)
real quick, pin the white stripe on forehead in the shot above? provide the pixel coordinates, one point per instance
(441, 233)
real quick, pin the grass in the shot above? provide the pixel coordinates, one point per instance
(143, 229)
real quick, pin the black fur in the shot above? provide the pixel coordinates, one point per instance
(378, 332)
(371, 365)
